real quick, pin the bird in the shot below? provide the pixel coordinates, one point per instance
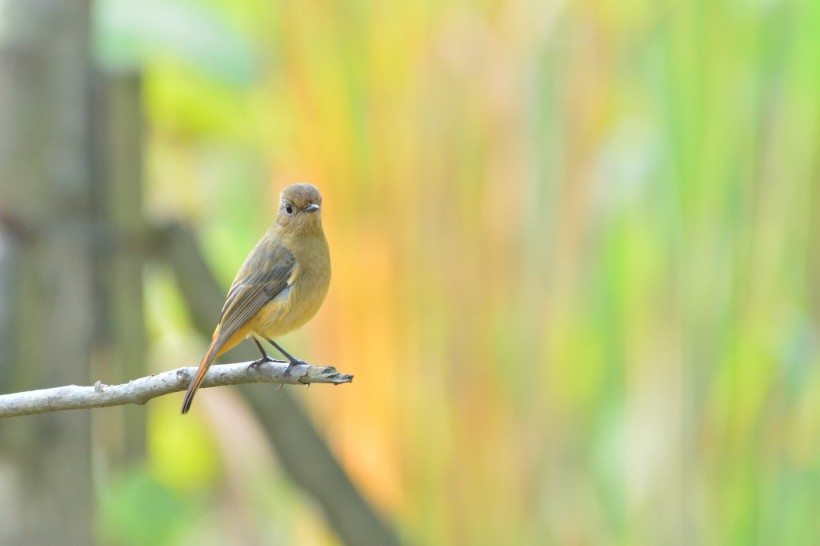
(279, 287)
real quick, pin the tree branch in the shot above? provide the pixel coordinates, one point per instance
(140, 391)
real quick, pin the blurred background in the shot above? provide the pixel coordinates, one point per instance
(575, 269)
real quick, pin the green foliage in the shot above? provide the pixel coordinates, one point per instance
(133, 34)
(138, 510)
(574, 245)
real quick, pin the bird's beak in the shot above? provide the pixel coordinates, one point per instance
(310, 208)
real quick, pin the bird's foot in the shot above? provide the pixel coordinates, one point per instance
(293, 363)
(263, 360)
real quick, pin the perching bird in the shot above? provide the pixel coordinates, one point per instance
(280, 286)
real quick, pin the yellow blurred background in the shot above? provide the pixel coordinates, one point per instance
(574, 252)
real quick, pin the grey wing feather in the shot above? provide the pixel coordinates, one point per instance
(264, 274)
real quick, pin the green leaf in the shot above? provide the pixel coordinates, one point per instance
(130, 34)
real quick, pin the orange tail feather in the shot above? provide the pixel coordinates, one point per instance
(213, 352)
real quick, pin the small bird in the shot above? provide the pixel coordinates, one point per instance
(280, 286)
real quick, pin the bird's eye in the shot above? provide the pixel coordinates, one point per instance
(289, 209)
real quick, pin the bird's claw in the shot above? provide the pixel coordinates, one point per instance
(263, 360)
(293, 363)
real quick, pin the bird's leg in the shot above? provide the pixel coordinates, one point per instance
(265, 356)
(291, 360)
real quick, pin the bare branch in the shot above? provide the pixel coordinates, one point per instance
(140, 391)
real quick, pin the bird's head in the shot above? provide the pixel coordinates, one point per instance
(300, 209)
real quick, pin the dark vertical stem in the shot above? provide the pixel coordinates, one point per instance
(45, 196)
(117, 151)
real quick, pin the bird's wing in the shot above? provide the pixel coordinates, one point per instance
(264, 274)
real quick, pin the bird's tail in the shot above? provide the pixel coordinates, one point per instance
(213, 352)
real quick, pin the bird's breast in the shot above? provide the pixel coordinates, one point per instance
(299, 301)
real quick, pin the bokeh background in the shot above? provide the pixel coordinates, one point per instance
(575, 252)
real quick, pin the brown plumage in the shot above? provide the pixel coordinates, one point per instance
(280, 286)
